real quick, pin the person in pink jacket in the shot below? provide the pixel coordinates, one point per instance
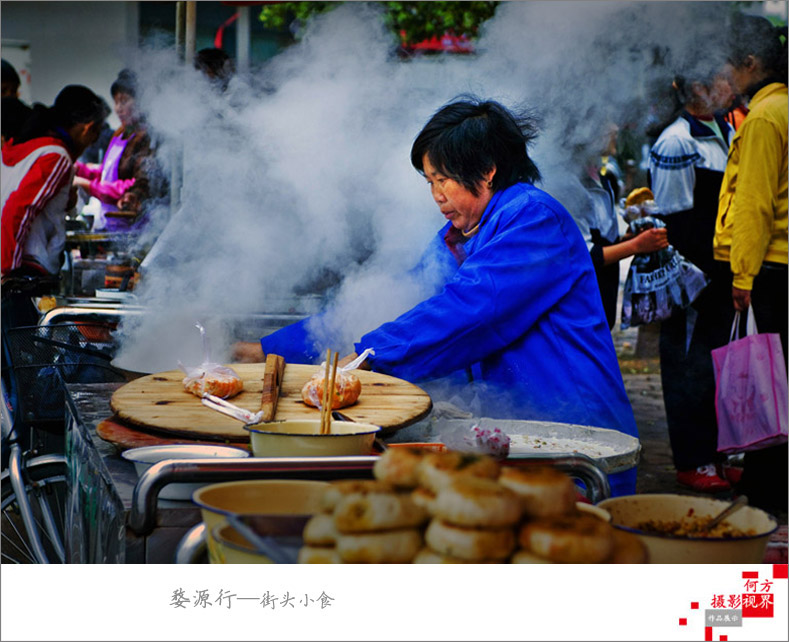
(121, 181)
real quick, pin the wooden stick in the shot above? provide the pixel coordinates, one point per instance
(325, 395)
(331, 392)
(272, 382)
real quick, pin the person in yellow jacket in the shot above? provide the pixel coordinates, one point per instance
(751, 229)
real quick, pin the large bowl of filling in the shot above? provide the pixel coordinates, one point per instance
(672, 527)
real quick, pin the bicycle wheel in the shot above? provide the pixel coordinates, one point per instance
(45, 486)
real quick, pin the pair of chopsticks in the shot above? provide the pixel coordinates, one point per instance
(328, 391)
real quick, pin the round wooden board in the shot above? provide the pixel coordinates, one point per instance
(159, 402)
(123, 437)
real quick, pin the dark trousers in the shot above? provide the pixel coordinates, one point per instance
(688, 378)
(764, 478)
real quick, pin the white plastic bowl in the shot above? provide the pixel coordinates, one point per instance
(143, 458)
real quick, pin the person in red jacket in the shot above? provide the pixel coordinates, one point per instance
(37, 172)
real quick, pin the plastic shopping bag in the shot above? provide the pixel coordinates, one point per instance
(750, 390)
(658, 283)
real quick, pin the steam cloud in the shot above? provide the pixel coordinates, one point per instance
(300, 176)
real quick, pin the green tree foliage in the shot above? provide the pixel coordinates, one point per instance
(411, 21)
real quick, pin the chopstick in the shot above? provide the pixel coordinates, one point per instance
(328, 391)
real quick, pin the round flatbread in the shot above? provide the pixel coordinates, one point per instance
(318, 555)
(437, 470)
(473, 544)
(339, 489)
(544, 491)
(320, 531)
(362, 513)
(571, 539)
(398, 466)
(388, 547)
(477, 502)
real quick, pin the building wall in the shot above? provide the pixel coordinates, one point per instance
(82, 43)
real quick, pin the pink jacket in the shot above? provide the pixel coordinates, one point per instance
(106, 192)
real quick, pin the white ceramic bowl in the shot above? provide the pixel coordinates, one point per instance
(144, 457)
(628, 511)
(302, 438)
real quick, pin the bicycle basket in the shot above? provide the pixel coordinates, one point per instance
(44, 358)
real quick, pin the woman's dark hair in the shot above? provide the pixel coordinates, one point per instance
(468, 137)
(10, 79)
(216, 64)
(125, 83)
(757, 36)
(75, 104)
(15, 114)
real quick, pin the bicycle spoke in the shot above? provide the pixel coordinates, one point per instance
(9, 523)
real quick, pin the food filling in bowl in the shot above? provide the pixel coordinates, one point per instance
(693, 527)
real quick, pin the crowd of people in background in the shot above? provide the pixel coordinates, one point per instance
(717, 168)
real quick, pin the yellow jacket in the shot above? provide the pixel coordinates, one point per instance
(752, 209)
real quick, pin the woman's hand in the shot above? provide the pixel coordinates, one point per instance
(350, 357)
(650, 240)
(129, 202)
(247, 352)
(741, 299)
(84, 183)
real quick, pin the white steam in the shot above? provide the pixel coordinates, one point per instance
(299, 178)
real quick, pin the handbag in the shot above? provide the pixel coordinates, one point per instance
(658, 283)
(750, 390)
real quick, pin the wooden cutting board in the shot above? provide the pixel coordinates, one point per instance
(159, 402)
(124, 437)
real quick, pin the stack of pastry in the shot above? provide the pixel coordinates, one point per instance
(476, 512)
(472, 515)
(553, 529)
(364, 522)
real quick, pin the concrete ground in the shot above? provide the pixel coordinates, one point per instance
(637, 350)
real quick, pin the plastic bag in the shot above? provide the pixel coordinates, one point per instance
(658, 283)
(750, 390)
(474, 439)
(209, 377)
(313, 390)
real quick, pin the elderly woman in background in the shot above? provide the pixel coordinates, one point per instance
(750, 244)
(519, 306)
(121, 182)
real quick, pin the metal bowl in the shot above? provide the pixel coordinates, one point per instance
(302, 438)
(628, 511)
(144, 457)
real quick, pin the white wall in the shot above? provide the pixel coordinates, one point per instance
(83, 43)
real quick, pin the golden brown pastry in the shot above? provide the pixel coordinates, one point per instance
(628, 549)
(318, 555)
(477, 502)
(386, 547)
(398, 466)
(347, 389)
(543, 491)
(436, 470)
(224, 383)
(320, 531)
(362, 513)
(473, 544)
(339, 489)
(571, 539)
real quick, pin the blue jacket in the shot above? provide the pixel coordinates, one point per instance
(523, 309)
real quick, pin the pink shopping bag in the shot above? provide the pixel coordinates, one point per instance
(750, 390)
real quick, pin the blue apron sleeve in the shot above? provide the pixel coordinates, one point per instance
(499, 292)
(293, 342)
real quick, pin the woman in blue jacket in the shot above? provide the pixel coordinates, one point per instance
(519, 307)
